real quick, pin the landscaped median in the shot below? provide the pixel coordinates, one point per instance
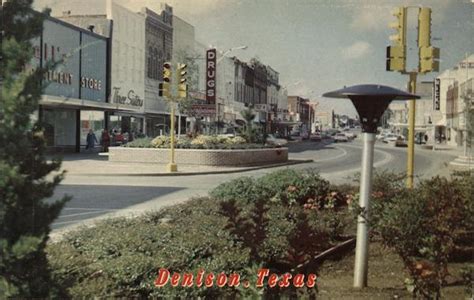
(203, 150)
(267, 238)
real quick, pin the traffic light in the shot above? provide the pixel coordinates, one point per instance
(429, 59)
(429, 55)
(396, 54)
(424, 27)
(400, 25)
(181, 80)
(396, 58)
(164, 89)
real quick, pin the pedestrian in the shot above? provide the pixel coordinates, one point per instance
(105, 139)
(90, 140)
(426, 138)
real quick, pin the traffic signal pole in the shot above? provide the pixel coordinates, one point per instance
(396, 61)
(172, 166)
(173, 89)
(411, 130)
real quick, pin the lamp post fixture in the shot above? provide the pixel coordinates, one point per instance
(370, 101)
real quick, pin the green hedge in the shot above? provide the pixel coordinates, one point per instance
(121, 257)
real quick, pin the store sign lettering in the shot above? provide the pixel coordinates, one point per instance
(436, 94)
(59, 77)
(131, 98)
(211, 76)
(91, 83)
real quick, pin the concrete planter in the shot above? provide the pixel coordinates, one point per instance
(207, 157)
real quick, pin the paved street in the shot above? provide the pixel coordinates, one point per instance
(95, 197)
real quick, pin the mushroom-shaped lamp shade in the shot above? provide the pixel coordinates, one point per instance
(370, 101)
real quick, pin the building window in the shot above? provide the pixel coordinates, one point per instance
(45, 52)
(155, 63)
(150, 63)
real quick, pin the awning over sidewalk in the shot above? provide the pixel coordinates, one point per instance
(73, 103)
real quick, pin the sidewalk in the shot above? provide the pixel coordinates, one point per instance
(90, 164)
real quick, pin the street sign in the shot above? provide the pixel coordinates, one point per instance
(204, 109)
(436, 94)
(211, 76)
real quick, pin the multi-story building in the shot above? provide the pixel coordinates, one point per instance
(397, 114)
(323, 120)
(301, 111)
(453, 89)
(126, 65)
(158, 49)
(74, 98)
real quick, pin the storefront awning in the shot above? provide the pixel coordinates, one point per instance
(73, 103)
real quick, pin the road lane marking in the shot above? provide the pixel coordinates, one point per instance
(344, 153)
(66, 222)
(84, 213)
(88, 208)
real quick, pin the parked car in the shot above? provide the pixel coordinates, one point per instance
(390, 138)
(381, 136)
(272, 140)
(325, 135)
(401, 142)
(340, 137)
(316, 137)
(350, 135)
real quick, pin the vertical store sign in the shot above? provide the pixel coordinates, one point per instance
(436, 94)
(211, 76)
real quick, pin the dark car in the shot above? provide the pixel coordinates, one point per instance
(316, 137)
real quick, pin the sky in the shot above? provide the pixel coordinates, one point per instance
(326, 44)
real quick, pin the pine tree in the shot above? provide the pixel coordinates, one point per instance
(25, 216)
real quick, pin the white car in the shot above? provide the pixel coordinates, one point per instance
(340, 137)
(390, 138)
(272, 140)
(350, 135)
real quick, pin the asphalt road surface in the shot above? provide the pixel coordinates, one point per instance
(94, 197)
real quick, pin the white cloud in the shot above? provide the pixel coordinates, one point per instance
(370, 18)
(356, 50)
(372, 15)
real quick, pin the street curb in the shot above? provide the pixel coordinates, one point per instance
(289, 163)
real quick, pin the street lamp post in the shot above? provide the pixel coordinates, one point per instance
(370, 101)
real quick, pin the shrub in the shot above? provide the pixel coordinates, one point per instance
(120, 257)
(161, 141)
(267, 218)
(139, 143)
(200, 142)
(423, 226)
(237, 140)
(239, 229)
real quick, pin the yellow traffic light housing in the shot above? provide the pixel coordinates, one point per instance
(429, 59)
(165, 86)
(428, 55)
(424, 27)
(182, 86)
(396, 54)
(400, 26)
(395, 58)
(167, 70)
